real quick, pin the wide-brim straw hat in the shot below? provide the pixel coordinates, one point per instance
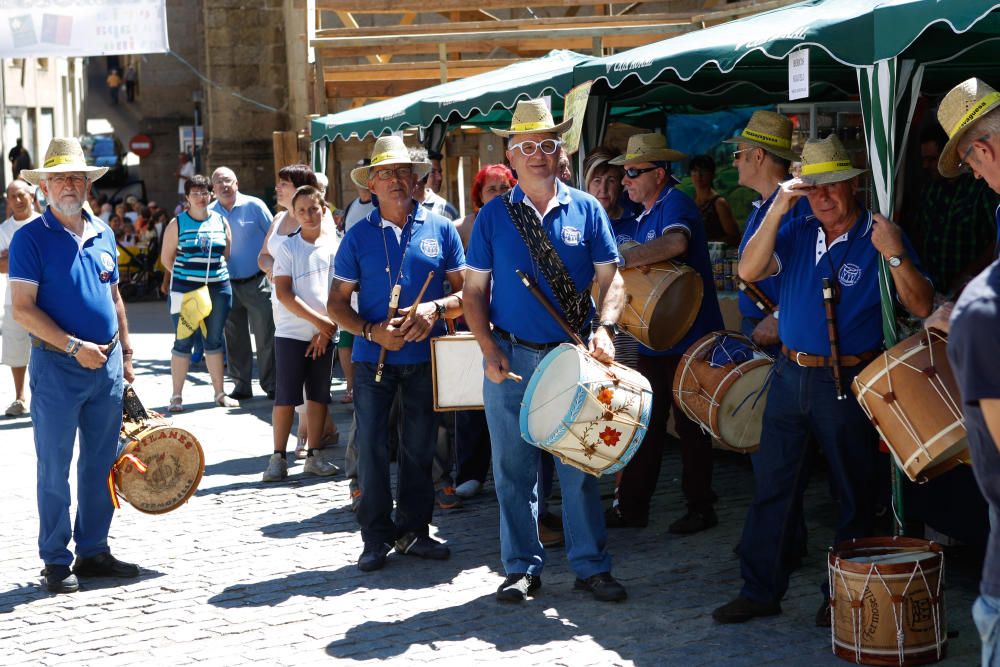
(650, 147)
(389, 150)
(64, 154)
(770, 131)
(960, 109)
(827, 161)
(530, 117)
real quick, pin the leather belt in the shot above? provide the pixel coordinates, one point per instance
(514, 340)
(816, 361)
(240, 281)
(41, 344)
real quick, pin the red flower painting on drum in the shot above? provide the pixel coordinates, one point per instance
(605, 395)
(610, 436)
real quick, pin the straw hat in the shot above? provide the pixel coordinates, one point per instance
(770, 131)
(651, 147)
(960, 109)
(64, 154)
(827, 161)
(389, 150)
(361, 184)
(532, 116)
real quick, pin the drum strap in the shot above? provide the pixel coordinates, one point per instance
(575, 305)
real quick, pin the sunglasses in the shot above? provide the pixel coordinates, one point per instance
(632, 172)
(529, 148)
(736, 154)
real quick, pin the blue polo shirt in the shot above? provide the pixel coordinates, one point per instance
(431, 243)
(674, 211)
(579, 230)
(74, 284)
(248, 221)
(804, 260)
(624, 226)
(973, 340)
(769, 286)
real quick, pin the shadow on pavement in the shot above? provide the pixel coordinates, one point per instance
(11, 423)
(22, 594)
(295, 480)
(333, 520)
(27, 593)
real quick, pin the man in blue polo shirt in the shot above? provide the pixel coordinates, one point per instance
(64, 289)
(841, 242)
(249, 221)
(398, 245)
(670, 227)
(524, 332)
(970, 114)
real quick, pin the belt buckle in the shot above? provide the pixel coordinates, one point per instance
(798, 361)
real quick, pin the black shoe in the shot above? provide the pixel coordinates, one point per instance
(823, 614)
(603, 587)
(373, 557)
(59, 579)
(615, 519)
(743, 609)
(552, 521)
(270, 395)
(422, 546)
(241, 395)
(694, 522)
(104, 565)
(516, 587)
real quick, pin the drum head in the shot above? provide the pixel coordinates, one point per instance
(676, 310)
(553, 388)
(741, 409)
(174, 462)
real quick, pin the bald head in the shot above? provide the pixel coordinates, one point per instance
(20, 197)
(225, 186)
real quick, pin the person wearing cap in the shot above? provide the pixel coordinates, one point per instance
(576, 227)
(425, 194)
(970, 114)
(398, 245)
(842, 242)
(669, 227)
(64, 289)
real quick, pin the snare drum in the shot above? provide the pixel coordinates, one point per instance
(887, 601)
(910, 395)
(457, 372)
(722, 384)
(158, 467)
(591, 415)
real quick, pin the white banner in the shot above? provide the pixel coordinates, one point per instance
(65, 28)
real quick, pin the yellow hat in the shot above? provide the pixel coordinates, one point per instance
(196, 305)
(64, 154)
(770, 131)
(531, 116)
(389, 150)
(827, 161)
(960, 109)
(649, 147)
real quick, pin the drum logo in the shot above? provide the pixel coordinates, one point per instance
(430, 247)
(921, 611)
(850, 274)
(571, 236)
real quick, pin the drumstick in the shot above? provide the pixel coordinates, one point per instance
(560, 320)
(393, 306)
(831, 328)
(510, 375)
(757, 296)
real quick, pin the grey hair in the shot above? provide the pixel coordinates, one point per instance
(988, 125)
(418, 154)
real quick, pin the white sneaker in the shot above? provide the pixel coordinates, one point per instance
(277, 468)
(317, 464)
(17, 408)
(469, 488)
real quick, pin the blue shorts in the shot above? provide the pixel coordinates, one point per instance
(296, 372)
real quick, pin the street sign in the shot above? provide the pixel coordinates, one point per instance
(141, 145)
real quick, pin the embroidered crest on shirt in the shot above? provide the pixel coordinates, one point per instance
(430, 247)
(650, 235)
(850, 274)
(571, 236)
(107, 261)
(622, 238)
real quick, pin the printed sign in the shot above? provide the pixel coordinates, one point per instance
(798, 74)
(574, 107)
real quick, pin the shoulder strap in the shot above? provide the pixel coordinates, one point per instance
(574, 305)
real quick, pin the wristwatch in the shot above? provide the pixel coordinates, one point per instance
(440, 309)
(896, 260)
(611, 327)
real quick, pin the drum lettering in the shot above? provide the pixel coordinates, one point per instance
(869, 601)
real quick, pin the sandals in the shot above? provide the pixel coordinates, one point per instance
(300, 447)
(348, 396)
(224, 401)
(176, 405)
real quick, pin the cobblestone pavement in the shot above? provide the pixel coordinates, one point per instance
(255, 573)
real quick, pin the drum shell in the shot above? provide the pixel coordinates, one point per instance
(457, 372)
(662, 301)
(702, 391)
(175, 463)
(924, 641)
(915, 378)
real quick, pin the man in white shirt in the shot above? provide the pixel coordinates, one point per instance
(16, 346)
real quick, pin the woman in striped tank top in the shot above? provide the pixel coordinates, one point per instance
(195, 247)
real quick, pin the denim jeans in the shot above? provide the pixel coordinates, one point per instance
(986, 614)
(472, 446)
(67, 399)
(418, 425)
(802, 401)
(215, 324)
(515, 475)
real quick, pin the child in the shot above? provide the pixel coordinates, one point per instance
(303, 273)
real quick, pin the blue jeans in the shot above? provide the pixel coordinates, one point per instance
(415, 488)
(215, 324)
(802, 401)
(986, 614)
(67, 398)
(515, 474)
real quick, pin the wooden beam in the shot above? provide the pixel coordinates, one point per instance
(425, 71)
(374, 89)
(396, 6)
(473, 15)
(741, 9)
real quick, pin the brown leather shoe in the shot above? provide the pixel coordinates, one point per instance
(549, 538)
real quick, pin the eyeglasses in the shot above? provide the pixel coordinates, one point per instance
(61, 180)
(736, 154)
(399, 172)
(632, 172)
(529, 148)
(962, 165)
(199, 193)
